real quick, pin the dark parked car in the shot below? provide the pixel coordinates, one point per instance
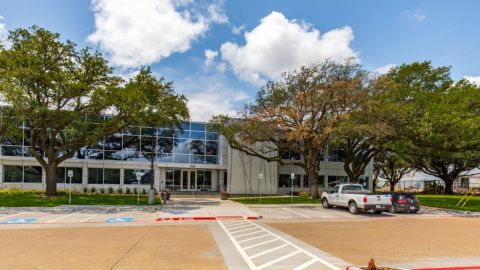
(404, 202)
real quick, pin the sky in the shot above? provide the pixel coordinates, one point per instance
(220, 52)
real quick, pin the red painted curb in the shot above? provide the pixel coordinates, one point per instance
(205, 218)
(450, 268)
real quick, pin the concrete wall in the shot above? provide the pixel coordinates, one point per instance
(243, 172)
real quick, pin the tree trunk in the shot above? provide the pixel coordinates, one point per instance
(313, 179)
(448, 185)
(392, 185)
(51, 173)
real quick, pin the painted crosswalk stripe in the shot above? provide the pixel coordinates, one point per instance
(279, 259)
(268, 251)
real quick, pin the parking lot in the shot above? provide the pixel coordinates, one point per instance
(240, 237)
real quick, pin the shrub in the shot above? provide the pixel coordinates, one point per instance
(102, 190)
(85, 189)
(127, 190)
(110, 190)
(92, 190)
(144, 191)
(119, 190)
(135, 191)
(304, 194)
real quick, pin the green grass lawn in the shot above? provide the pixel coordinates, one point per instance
(17, 199)
(275, 200)
(450, 202)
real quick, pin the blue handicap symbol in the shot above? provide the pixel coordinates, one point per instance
(119, 219)
(19, 220)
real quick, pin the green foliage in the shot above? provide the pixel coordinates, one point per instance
(56, 86)
(85, 189)
(120, 190)
(297, 113)
(441, 136)
(135, 190)
(110, 190)
(102, 190)
(92, 190)
(144, 191)
(127, 190)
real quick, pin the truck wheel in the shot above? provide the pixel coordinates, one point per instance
(353, 209)
(393, 209)
(325, 203)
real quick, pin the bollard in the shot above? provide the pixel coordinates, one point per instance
(151, 196)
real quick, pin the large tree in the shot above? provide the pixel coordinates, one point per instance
(297, 113)
(442, 135)
(392, 167)
(63, 93)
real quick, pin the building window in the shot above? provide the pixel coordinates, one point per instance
(130, 177)
(204, 180)
(95, 176)
(172, 179)
(336, 180)
(285, 181)
(336, 154)
(321, 182)
(111, 176)
(62, 175)
(32, 174)
(12, 174)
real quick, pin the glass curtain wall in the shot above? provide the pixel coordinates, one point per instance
(195, 144)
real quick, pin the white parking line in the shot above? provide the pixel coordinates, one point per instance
(268, 249)
(62, 217)
(88, 218)
(297, 213)
(10, 216)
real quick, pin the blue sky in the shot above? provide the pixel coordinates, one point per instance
(173, 37)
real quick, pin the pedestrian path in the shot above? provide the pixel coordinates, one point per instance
(263, 248)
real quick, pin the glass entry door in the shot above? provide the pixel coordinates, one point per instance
(189, 180)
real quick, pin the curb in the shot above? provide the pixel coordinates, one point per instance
(208, 218)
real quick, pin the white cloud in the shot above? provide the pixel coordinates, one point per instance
(141, 32)
(473, 79)
(417, 15)
(3, 30)
(384, 69)
(210, 57)
(278, 44)
(208, 96)
(237, 30)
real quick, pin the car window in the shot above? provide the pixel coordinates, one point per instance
(335, 189)
(410, 196)
(350, 188)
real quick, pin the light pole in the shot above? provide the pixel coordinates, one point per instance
(70, 175)
(260, 178)
(292, 176)
(139, 178)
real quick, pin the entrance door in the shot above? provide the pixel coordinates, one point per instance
(189, 180)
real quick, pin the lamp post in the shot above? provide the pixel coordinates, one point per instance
(139, 179)
(260, 178)
(70, 175)
(292, 176)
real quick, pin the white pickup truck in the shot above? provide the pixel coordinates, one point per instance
(356, 199)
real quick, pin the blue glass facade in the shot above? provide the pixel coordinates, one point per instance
(194, 145)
